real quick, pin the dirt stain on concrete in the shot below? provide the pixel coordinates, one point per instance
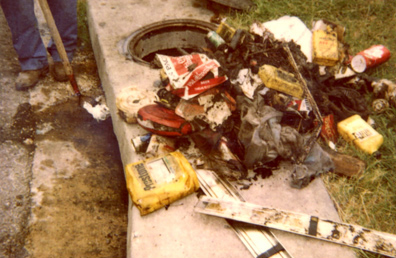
(83, 214)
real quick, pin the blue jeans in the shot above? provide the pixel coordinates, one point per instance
(32, 54)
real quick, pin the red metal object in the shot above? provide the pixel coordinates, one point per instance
(162, 121)
(369, 58)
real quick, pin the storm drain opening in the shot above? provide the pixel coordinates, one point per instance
(172, 37)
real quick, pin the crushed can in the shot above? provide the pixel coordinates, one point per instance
(329, 131)
(355, 129)
(280, 80)
(215, 39)
(369, 58)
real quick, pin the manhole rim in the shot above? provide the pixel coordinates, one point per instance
(135, 36)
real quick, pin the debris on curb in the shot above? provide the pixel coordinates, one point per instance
(278, 92)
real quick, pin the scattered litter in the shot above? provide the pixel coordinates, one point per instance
(282, 81)
(162, 121)
(385, 89)
(248, 82)
(129, 100)
(369, 58)
(346, 165)
(355, 129)
(157, 182)
(380, 105)
(44, 128)
(28, 141)
(288, 28)
(100, 111)
(140, 143)
(250, 99)
(159, 146)
(325, 47)
(317, 162)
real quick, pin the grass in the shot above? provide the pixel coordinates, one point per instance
(368, 200)
(84, 41)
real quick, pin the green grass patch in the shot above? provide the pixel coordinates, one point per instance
(367, 23)
(84, 41)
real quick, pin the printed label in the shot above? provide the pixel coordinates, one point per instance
(374, 53)
(363, 134)
(145, 177)
(160, 171)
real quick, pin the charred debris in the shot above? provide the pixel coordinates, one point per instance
(248, 101)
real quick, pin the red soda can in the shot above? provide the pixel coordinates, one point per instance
(370, 57)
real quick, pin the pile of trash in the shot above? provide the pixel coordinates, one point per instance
(251, 99)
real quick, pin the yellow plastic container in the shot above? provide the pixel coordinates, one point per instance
(325, 47)
(355, 129)
(157, 182)
(280, 80)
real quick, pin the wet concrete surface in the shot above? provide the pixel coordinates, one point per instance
(62, 186)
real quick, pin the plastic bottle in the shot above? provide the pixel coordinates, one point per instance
(355, 129)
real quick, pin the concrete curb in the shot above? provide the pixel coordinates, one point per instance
(178, 231)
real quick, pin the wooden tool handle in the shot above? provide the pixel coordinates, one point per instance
(56, 36)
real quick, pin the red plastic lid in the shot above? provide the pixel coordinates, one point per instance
(164, 121)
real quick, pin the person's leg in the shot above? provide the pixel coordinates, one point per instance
(27, 42)
(26, 38)
(65, 16)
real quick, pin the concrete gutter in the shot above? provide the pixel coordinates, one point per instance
(178, 231)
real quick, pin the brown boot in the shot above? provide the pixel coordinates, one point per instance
(58, 72)
(28, 79)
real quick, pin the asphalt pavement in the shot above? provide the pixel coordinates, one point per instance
(15, 156)
(62, 186)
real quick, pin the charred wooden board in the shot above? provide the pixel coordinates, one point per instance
(302, 224)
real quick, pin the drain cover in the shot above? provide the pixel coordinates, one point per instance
(166, 37)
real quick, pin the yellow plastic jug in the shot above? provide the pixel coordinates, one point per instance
(157, 182)
(355, 129)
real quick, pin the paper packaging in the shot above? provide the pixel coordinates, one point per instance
(157, 182)
(186, 74)
(184, 71)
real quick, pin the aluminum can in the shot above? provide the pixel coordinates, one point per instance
(369, 58)
(215, 39)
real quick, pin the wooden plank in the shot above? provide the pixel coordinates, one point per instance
(302, 224)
